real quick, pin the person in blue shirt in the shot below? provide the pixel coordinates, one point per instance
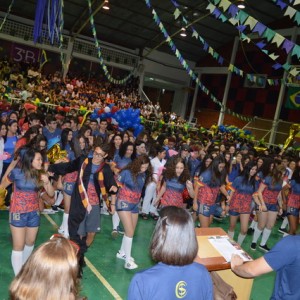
(51, 130)
(240, 200)
(132, 180)
(284, 259)
(268, 208)
(176, 276)
(292, 203)
(206, 189)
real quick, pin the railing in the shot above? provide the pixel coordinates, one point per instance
(262, 128)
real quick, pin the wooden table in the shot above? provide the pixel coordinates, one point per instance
(213, 261)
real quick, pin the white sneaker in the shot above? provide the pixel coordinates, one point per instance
(130, 265)
(121, 255)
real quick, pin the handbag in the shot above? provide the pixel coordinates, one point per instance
(222, 290)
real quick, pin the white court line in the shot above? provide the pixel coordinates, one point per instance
(92, 268)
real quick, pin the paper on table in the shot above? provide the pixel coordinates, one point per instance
(227, 247)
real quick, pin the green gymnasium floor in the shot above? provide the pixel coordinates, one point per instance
(104, 276)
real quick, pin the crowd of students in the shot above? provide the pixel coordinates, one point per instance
(97, 164)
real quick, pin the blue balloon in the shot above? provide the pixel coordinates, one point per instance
(93, 116)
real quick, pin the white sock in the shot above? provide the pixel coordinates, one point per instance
(231, 234)
(17, 261)
(265, 236)
(256, 235)
(127, 247)
(241, 238)
(285, 222)
(27, 252)
(253, 224)
(115, 220)
(122, 245)
(64, 224)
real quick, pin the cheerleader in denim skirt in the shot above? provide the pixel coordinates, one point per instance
(132, 180)
(267, 208)
(68, 180)
(240, 200)
(293, 201)
(207, 188)
(175, 180)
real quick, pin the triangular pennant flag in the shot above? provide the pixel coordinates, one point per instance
(294, 72)
(232, 10)
(287, 46)
(210, 7)
(242, 16)
(233, 21)
(177, 13)
(290, 12)
(259, 28)
(278, 39)
(195, 34)
(281, 4)
(269, 34)
(296, 50)
(297, 18)
(251, 22)
(273, 56)
(224, 4)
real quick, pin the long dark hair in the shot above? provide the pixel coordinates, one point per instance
(246, 174)
(26, 164)
(170, 171)
(64, 139)
(203, 166)
(218, 176)
(135, 167)
(123, 150)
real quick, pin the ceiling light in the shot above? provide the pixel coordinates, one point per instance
(183, 32)
(106, 5)
(241, 4)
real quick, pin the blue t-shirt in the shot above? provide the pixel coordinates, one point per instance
(125, 177)
(51, 135)
(122, 162)
(244, 187)
(276, 187)
(284, 258)
(295, 187)
(206, 178)
(235, 172)
(166, 282)
(9, 147)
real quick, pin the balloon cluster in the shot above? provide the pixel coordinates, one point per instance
(125, 118)
(236, 131)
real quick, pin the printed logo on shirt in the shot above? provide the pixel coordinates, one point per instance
(180, 289)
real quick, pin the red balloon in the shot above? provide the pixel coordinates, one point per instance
(114, 109)
(100, 111)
